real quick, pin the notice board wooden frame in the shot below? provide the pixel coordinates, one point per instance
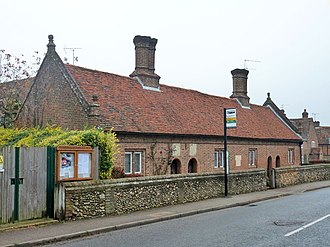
(73, 153)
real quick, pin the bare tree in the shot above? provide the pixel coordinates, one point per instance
(14, 69)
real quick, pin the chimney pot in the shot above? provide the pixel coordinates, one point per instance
(145, 48)
(305, 114)
(240, 77)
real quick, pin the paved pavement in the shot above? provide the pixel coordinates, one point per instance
(38, 232)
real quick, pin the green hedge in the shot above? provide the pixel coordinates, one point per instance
(50, 136)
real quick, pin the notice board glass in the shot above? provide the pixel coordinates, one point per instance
(74, 163)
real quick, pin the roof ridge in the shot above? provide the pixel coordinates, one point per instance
(132, 79)
(98, 71)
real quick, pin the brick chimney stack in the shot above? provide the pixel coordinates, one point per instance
(145, 48)
(240, 77)
(152, 50)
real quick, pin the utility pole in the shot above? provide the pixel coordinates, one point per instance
(225, 150)
(229, 121)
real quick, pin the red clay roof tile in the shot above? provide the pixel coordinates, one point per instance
(126, 106)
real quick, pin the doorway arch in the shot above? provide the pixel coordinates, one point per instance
(192, 166)
(176, 166)
(269, 166)
(278, 161)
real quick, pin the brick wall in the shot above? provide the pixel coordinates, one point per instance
(88, 199)
(204, 148)
(52, 101)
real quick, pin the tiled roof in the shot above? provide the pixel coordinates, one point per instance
(323, 134)
(11, 88)
(269, 102)
(21, 87)
(126, 106)
(303, 125)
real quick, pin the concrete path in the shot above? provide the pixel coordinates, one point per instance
(36, 232)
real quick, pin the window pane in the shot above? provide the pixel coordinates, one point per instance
(222, 158)
(137, 162)
(128, 162)
(67, 165)
(252, 157)
(290, 156)
(216, 159)
(84, 165)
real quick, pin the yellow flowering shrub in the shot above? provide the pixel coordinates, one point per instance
(55, 136)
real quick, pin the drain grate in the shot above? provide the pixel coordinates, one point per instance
(288, 222)
(252, 205)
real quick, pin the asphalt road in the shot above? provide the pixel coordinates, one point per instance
(298, 220)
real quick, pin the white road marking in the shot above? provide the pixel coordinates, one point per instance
(305, 226)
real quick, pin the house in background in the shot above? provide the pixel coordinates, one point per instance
(311, 151)
(316, 145)
(161, 129)
(323, 135)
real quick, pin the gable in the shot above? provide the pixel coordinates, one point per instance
(53, 98)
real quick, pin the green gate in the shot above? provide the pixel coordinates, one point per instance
(27, 183)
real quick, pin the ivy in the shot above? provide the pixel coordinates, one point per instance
(50, 136)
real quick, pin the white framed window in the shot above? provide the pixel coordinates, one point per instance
(291, 156)
(252, 157)
(218, 158)
(133, 162)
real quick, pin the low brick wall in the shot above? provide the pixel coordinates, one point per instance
(88, 199)
(287, 176)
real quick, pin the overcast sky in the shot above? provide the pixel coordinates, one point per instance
(199, 43)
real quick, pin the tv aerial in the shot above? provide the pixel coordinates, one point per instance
(314, 114)
(250, 61)
(74, 58)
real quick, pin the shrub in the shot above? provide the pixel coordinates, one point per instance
(50, 136)
(117, 172)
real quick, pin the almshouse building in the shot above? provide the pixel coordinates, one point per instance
(161, 129)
